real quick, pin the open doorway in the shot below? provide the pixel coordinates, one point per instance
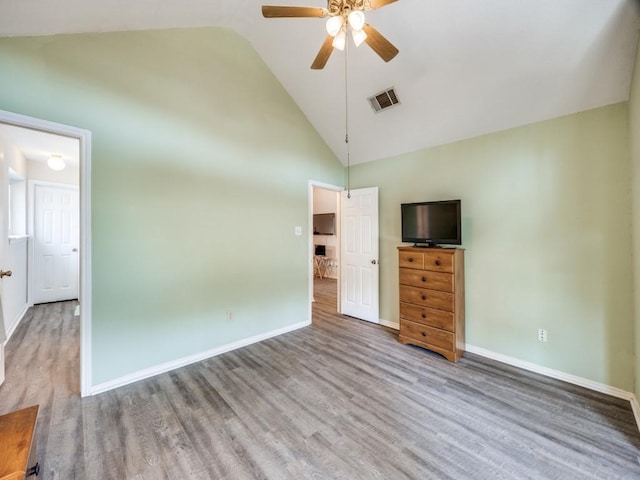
(63, 193)
(325, 243)
(42, 219)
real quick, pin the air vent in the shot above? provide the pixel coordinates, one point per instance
(384, 100)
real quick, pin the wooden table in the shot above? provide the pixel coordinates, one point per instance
(17, 451)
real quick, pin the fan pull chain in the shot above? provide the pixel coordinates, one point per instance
(346, 118)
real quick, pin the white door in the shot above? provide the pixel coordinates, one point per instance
(4, 238)
(55, 243)
(359, 254)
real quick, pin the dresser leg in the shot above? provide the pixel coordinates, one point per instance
(35, 470)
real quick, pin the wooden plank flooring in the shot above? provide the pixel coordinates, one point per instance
(341, 399)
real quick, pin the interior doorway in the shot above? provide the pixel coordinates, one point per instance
(81, 140)
(324, 226)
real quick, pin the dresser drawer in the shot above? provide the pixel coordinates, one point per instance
(427, 298)
(438, 261)
(411, 260)
(426, 279)
(428, 335)
(433, 259)
(427, 316)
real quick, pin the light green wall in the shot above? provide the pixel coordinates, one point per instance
(634, 129)
(201, 164)
(546, 228)
(200, 172)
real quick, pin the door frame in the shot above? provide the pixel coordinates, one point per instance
(326, 186)
(84, 287)
(31, 191)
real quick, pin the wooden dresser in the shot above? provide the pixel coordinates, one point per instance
(17, 445)
(432, 299)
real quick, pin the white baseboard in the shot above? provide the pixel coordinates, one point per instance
(636, 410)
(566, 377)
(182, 362)
(1, 363)
(390, 324)
(549, 372)
(11, 331)
(17, 321)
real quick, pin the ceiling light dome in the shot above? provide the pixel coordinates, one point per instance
(56, 162)
(356, 19)
(340, 39)
(334, 24)
(359, 36)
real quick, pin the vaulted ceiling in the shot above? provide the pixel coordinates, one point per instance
(465, 67)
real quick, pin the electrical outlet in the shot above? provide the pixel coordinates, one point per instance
(229, 315)
(542, 335)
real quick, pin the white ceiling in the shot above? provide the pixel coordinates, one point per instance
(465, 67)
(39, 146)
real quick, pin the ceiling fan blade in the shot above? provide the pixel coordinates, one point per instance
(273, 11)
(374, 4)
(379, 44)
(323, 54)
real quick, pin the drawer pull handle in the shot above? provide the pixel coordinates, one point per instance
(410, 259)
(424, 334)
(437, 262)
(424, 315)
(424, 297)
(424, 279)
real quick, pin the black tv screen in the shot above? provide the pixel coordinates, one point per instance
(432, 223)
(324, 223)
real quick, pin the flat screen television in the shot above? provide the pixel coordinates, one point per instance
(324, 224)
(432, 223)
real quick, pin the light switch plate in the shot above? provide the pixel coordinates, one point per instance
(298, 231)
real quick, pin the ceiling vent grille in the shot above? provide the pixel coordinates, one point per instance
(384, 100)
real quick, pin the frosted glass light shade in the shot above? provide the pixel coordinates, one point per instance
(358, 37)
(334, 24)
(356, 20)
(339, 40)
(56, 162)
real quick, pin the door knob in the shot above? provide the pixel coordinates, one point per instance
(373, 262)
(7, 273)
(74, 250)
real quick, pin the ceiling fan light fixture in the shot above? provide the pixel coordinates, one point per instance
(359, 36)
(341, 16)
(56, 162)
(339, 40)
(356, 20)
(334, 25)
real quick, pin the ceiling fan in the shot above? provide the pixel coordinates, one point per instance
(343, 15)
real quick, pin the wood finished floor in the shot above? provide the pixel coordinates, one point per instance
(341, 399)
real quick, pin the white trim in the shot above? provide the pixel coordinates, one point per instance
(19, 318)
(549, 372)
(636, 410)
(86, 270)
(182, 362)
(566, 377)
(389, 323)
(84, 136)
(314, 184)
(17, 239)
